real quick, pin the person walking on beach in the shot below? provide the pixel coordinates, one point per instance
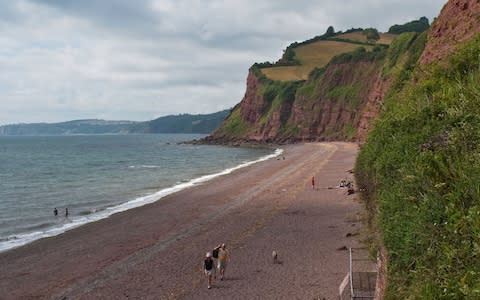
(313, 182)
(223, 259)
(208, 268)
(215, 259)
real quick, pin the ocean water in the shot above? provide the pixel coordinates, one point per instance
(98, 175)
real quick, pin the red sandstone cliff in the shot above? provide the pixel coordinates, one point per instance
(457, 22)
(343, 98)
(372, 106)
(324, 116)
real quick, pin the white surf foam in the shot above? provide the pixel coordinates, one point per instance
(74, 222)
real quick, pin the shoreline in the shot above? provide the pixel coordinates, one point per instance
(22, 239)
(155, 251)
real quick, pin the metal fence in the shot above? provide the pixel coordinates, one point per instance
(360, 281)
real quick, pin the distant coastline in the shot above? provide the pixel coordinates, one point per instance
(184, 123)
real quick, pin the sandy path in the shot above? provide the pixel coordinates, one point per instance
(156, 251)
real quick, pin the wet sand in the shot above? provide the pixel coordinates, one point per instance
(156, 251)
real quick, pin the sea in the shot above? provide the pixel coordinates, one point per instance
(95, 176)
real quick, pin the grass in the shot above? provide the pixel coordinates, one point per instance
(386, 38)
(358, 36)
(343, 92)
(235, 125)
(420, 170)
(314, 55)
(289, 73)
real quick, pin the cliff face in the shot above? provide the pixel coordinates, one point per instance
(336, 106)
(331, 105)
(252, 105)
(458, 22)
(372, 106)
(337, 102)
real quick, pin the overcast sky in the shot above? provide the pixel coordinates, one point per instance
(137, 60)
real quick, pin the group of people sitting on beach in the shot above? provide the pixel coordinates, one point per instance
(217, 259)
(345, 184)
(348, 185)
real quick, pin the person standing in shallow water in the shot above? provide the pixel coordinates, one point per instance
(208, 266)
(55, 212)
(66, 212)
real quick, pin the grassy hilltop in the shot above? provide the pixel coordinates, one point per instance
(311, 56)
(317, 54)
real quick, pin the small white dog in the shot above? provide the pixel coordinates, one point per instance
(275, 257)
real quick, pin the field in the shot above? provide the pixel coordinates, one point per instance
(385, 38)
(313, 55)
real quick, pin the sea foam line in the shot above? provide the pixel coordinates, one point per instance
(23, 239)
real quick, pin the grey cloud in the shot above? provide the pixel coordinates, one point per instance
(118, 13)
(124, 59)
(9, 12)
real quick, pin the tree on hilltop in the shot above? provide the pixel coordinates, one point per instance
(419, 25)
(372, 35)
(330, 32)
(424, 20)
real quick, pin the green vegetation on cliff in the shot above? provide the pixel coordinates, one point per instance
(420, 170)
(419, 25)
(279, 94)
(235, 126)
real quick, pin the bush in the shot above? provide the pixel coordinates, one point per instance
(414, 26)
(371, 34)
(360, 54)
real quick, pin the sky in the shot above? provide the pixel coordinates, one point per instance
(138, 60)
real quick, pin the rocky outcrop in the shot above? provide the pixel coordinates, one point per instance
(458, 22)
(252, 105)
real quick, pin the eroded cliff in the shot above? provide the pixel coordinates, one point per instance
(458, 22)
(337, 102)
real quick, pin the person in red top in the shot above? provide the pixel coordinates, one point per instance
(313, 182)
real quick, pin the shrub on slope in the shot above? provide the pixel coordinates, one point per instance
(420, 169)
